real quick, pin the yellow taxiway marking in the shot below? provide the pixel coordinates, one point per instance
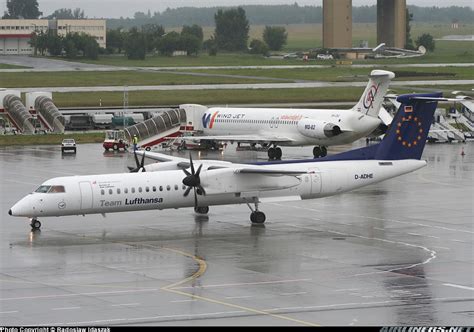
(200, 272)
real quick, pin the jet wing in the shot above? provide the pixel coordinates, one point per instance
(239, 138)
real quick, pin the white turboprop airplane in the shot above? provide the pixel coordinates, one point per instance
(273, 127)
(164, 186)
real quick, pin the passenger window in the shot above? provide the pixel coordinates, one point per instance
(139, 189)
(133, 190)
(154, 188)
(176, 187)
(118, 191)
(125, 190)
(147, 189)
(102, 192)
(184, 187)
(168, 187)
(161, 188)
(110, 191)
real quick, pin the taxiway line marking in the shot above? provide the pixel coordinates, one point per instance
(289, 294)
(239, 297)
(66, 308)
(8, 312)
(245, 283)
(76, 294)
(459, 286)
(125, 304)
(181, 301)
(202, 268)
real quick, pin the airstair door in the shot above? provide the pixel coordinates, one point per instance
(86, 195)
(315, 181)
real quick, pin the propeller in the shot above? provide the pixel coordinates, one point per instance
(193, 181)
(140, 165)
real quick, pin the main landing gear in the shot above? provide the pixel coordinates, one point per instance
(320, 151)
(256, 217)
(201, 209)
(35, 224)
(274, 153)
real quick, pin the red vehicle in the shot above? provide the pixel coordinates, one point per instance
(115, 140)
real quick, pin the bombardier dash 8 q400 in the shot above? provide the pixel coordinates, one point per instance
(167, 184)
(273, 127)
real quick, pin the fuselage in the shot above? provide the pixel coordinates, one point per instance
(300, 126)
(107, 193)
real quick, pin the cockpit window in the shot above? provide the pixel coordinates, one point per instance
(56, 189)
(50, 189)
(42, 189)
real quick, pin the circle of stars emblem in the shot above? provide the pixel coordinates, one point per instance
(416, 135)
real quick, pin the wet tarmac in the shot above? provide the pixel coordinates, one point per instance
(395, 253)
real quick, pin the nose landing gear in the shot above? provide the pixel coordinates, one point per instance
(35, 224)
(274, 153)
(256, 217)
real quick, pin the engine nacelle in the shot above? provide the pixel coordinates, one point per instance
(318, 129)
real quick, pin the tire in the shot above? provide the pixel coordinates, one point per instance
(202, 209)
(35, 225)
(324, 151)
(115, 147)
(257, 217)
(147, 148)
(271, 153)
(278, 153)
(317, 152)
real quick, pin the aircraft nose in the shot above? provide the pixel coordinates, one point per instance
(10, 212)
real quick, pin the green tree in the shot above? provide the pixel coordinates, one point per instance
(232, 29)
(66, 13)
(169, 43)
(427, 41)
(408, 40)
(153, 33)
(191, 44)
(27, 9)
(194, 30)
(275, 37)
(258, 47)
(115, 40)
(135, 45)
(54, 44)
(211, 46)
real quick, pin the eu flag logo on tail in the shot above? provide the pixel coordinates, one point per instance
(409, 129)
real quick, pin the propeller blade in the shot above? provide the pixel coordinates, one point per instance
(130, 168)
(136, 158)
(186, 172)
(199, 170)
(143, 160)
(191, 162)
(202, 190)
(186, 193)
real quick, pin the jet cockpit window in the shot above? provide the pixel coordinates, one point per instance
(50, 189)
(56, 189)
(42, 189)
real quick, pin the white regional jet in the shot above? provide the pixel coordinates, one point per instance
(273, 127)
(167, 184)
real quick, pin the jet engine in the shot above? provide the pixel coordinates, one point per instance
(318, 129)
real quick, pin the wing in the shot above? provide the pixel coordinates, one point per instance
(239, 138)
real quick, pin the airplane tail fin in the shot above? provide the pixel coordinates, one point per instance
(406, 137)
(372, 98)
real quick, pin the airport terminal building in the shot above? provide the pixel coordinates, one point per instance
(15, 34)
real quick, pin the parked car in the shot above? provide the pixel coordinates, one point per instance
(68, 144)
(324, 57)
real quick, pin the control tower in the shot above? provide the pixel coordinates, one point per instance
(337, 23)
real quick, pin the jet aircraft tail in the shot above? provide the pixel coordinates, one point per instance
(372, 98)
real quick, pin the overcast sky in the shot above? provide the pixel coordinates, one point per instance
(126, 8)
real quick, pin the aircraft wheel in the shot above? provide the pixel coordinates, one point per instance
(324, 151)
(257, 217)
(201, 209)
(278, 153)
(115, 147)
(317, 152)
(271, 153)
(147, 148)
(35, 224)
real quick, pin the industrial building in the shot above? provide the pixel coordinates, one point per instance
(15, 34)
